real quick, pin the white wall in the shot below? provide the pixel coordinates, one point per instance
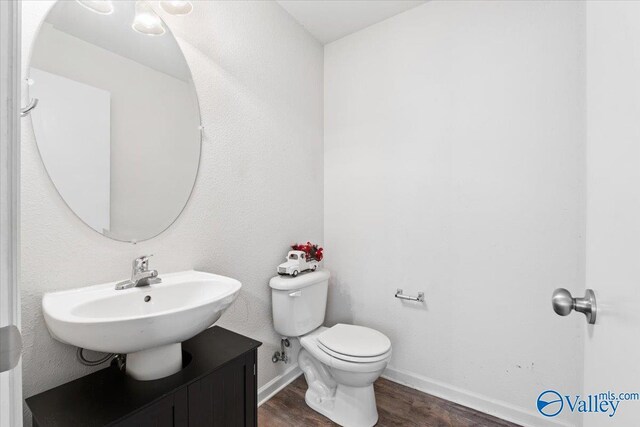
(259, 81)
(454, 165)
(613, 204)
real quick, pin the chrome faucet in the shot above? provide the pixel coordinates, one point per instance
(140, 274)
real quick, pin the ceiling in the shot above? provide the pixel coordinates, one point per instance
(329, 20)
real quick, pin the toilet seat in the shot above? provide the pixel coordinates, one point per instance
(360, 364)
(354, 359)
(354, 343)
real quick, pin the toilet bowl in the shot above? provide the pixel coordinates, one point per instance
(340, 363)
(341, 384)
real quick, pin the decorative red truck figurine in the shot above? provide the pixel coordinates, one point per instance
(301, 258)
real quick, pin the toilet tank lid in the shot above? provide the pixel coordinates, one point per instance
(288, 283)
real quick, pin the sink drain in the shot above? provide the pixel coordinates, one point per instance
(147, 298)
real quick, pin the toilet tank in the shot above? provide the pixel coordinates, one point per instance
(299, 303)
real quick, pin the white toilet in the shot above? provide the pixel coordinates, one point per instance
(339, 363)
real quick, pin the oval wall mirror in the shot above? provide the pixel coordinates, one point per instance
(117, 122)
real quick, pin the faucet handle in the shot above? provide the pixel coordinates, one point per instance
(142, 262)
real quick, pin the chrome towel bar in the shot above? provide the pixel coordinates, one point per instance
(400, 295)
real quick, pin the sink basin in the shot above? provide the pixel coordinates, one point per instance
(148, 323)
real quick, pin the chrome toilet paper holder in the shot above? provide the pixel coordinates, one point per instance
(401, 295)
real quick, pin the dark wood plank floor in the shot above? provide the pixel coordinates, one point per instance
(397, 406)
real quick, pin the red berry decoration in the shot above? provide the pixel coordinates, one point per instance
(311, 250)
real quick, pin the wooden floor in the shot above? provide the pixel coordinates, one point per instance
(397, 406)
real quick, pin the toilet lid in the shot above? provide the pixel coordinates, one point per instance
(356, 341)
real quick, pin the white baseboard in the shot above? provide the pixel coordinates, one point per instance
(270, 389)
(475, 401)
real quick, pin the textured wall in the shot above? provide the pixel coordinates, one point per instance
(259, 79)
(454, 165)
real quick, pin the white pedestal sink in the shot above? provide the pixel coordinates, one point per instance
(148, 323)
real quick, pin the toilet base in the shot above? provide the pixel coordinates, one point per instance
(349, 407)
(345, 405)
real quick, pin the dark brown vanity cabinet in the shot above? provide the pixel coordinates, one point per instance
(217, 387)
(227, 397)
(169, 411)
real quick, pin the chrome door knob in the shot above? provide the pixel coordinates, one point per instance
(563, 303)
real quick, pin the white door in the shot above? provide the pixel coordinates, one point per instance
(10, 379)
(612, 345)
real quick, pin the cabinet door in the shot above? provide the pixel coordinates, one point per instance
(251, 387)
(170, 411)
(227, 397)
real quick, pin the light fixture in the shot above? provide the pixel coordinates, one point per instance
(146, 21)
(177, 7)
(103, 7)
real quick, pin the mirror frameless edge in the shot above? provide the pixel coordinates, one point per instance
(118, 122)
